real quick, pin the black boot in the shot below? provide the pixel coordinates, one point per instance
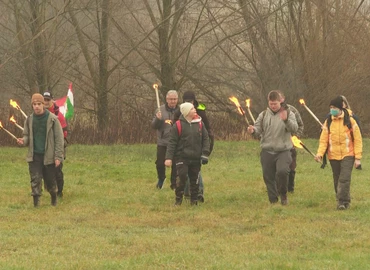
(178, 201)
(194, 203)
(36, 201)
(53, 199)
(291, 181)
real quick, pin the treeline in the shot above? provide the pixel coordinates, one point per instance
(114, 50)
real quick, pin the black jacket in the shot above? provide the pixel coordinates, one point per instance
(201, 111)
(191, 144)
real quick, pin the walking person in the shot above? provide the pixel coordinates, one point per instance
(189, 96)
(162, 122)
(346, 105)
(44, 137)
(293, 151)
(342, 141)
(188, 148)
(274, 126)
(53, 108)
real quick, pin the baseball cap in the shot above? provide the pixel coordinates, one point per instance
(48, 95)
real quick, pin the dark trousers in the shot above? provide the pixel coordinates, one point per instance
(187, 169)
(161, 169)
(201, 186)
(60, 178)
(275, 169)
(342, 172)
(39, 171)
(292, 168)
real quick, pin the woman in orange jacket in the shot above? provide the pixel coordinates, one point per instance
(341, 139)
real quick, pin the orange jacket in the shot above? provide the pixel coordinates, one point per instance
(339, 142)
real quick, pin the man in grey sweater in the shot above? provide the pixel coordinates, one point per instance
(275, 126)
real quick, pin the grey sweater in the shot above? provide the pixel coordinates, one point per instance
(275, 133)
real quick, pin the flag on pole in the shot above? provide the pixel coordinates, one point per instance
(66, 104)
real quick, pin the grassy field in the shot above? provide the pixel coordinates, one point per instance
(112, 217)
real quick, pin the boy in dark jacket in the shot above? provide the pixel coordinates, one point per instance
(189, 96)
(189, 147)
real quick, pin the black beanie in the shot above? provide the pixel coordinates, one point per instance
(188, 96)
(337, 102)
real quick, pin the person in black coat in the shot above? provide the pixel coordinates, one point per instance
(189, 96)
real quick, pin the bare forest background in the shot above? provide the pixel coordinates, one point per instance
(114, 50)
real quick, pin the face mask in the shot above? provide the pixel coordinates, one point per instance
(334, 112)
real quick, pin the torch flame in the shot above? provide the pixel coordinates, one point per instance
(12, 119)
(296, 142)
(14, 104)
(237, 104)
(1, 125)
(302, 101)
(247, 102)
(155, 86)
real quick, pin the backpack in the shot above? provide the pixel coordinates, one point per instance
(179, 127)
(347, 122)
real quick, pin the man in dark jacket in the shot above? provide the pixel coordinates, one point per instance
(53, 108)
(189, 96)
(189, 147)
(293, 151)
(162, 122)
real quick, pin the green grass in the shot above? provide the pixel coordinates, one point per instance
(112, 217)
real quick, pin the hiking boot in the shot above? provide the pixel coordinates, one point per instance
(194, 203)
(178, 201)
(284, 199)
(200, 198)
(53, 199)
(36, 201)
(160, 183)
(347, 205)
(341, 207)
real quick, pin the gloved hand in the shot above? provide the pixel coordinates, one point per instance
(204, 160)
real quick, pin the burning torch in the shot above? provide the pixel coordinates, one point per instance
(15, 105)
(299, 144)
(12, 119)
(247, 102)
(313, 115)
(155, 86)
(7, 131)
(240, 109)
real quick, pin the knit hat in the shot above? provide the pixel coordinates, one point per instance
(37, 98)
(185, 108)
(188, 96)
(337, 102)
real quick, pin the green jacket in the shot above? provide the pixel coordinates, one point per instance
(54, 140)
